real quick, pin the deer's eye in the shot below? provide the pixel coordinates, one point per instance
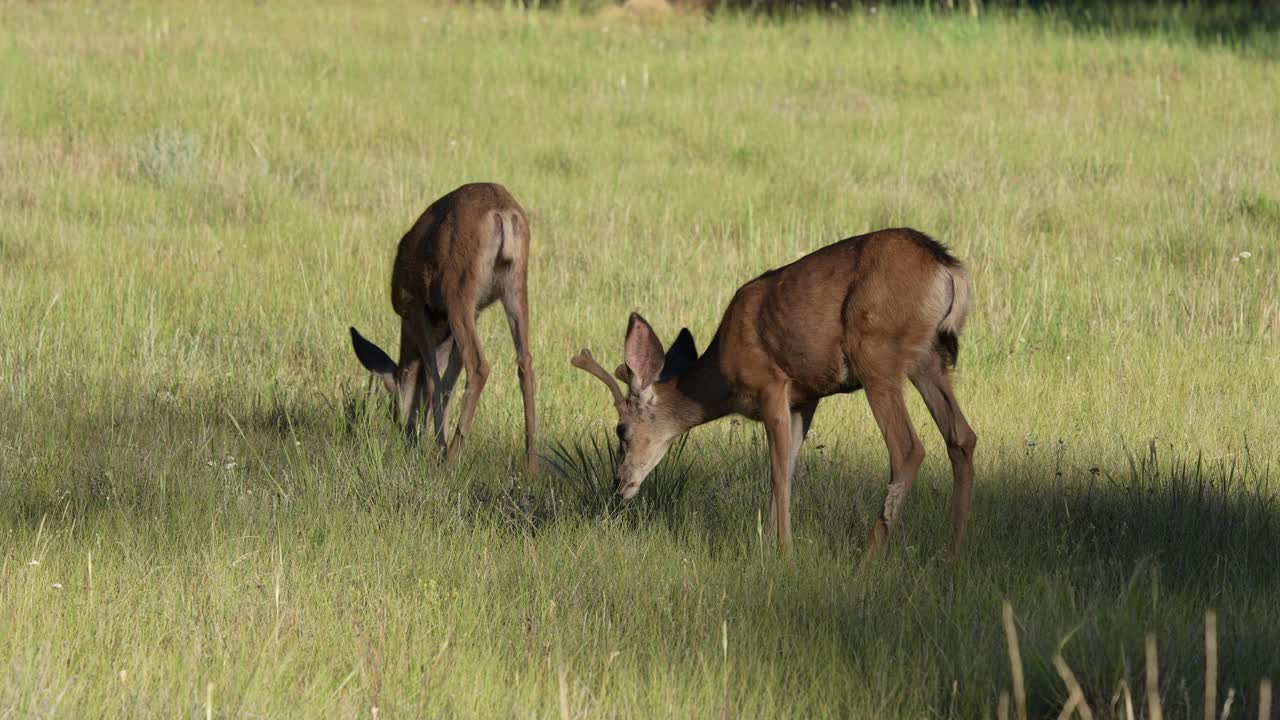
(622, 432)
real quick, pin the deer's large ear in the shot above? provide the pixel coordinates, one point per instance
(642, 354)
(375, 360)
(681, 356)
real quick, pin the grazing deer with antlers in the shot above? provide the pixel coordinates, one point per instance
(866, 313)
(468, 249)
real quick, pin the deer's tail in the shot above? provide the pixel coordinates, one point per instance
(961, 298)
(960, 291)
(510, 223)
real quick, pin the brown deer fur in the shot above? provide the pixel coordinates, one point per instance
(467, 250)
(868, 312)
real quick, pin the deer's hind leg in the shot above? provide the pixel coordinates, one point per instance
(462, 323)
(932, 379)
(515, 302)
(905, 455)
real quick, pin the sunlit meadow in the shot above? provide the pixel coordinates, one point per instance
(205, 510)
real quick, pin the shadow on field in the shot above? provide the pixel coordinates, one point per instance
(1198, 523)
(1095, 563)
(1249, 27)
(1092, 561)
(1092, 558)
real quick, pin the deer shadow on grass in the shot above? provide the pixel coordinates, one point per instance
(1091, 558)
(1197, 522)
(170, 442)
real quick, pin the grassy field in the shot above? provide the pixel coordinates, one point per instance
(204, 510)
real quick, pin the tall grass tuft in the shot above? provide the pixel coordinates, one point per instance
(585, 477)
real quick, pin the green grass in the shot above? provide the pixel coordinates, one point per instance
(196, 202)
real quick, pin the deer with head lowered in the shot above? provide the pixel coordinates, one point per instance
(469, 249)
(869, 312)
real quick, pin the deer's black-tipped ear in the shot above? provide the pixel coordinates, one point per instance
(374, 360)
(681, 356)
(642, 353)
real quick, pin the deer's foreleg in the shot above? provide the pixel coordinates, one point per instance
(421, 334)
(775, 409)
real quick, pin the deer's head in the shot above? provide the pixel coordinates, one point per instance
(649, 418)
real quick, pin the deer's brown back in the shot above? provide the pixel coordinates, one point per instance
(455, 249)
(862, 306)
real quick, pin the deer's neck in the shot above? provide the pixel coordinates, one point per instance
(701, 394)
